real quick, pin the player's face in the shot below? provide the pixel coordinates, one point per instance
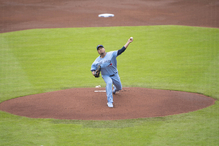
(101, 50)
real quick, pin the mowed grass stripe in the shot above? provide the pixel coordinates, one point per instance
(13, 78)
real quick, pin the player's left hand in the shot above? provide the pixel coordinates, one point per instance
(97, 72)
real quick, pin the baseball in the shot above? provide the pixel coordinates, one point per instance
(131, 38)
(98, 86)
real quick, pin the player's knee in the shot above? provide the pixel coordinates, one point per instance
(119, 88)
(109, 83)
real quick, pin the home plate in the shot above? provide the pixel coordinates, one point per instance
(99, 90)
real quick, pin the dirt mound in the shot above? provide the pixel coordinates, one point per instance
(85, 104)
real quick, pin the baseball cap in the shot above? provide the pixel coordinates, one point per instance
(99, 46)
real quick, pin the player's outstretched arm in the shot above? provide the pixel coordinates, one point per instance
(128, 42)
(125, 46)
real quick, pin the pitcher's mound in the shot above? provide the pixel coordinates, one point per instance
(85, 104)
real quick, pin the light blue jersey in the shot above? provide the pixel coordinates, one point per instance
(108, 63)
(109, 72)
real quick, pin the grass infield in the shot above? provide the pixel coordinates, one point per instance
(162, 57)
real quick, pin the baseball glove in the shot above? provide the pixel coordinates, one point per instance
(97, 72)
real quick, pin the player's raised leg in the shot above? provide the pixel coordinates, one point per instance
(116, 83)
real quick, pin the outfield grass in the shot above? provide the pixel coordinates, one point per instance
(162, 57)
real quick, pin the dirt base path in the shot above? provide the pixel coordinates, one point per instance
(85, 104)
(28, 14)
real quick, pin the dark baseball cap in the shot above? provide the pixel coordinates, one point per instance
(99, 46)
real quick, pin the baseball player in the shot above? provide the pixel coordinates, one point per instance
(107, 63)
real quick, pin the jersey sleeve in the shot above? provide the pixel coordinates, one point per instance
(93, 66)
(115, 53)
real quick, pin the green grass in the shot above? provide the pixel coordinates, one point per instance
(161, 57)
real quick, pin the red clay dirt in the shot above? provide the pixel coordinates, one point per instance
(29, 14)
(84, 103)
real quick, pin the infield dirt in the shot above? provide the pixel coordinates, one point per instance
(28, 14)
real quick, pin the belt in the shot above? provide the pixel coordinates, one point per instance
(113, 75)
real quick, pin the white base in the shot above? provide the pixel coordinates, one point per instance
(106, 15)
(99, 90)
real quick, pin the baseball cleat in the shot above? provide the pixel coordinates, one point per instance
(110, 104)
